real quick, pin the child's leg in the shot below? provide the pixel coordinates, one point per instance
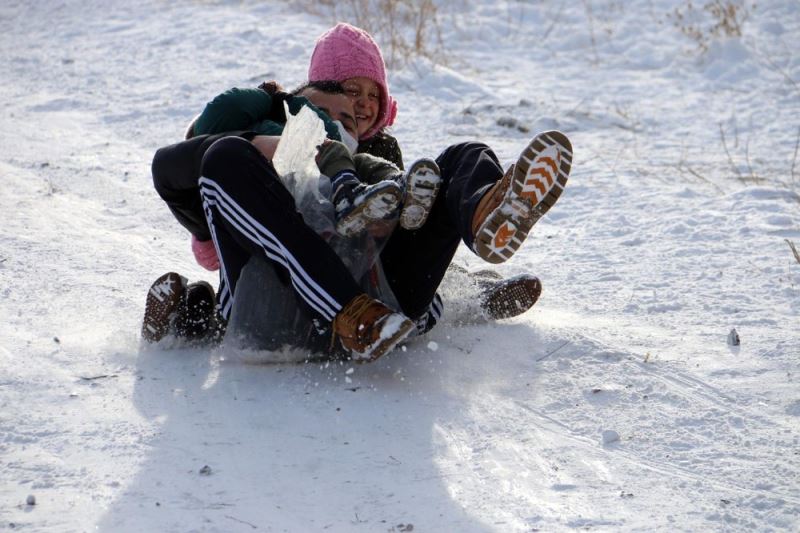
(415, 261)
(531, 186)
(249, 212)
(357, 205)
(420, 184)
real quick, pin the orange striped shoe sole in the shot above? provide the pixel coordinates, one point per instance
(537, 180)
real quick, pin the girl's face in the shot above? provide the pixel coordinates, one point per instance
(366, 97)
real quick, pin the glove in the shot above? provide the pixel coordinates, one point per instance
(333, 158)
(371, 169)
(205, 254)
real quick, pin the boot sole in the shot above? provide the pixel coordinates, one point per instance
(535, 186)
(511, 297)
(161, 308)
(377, 207)
(423, 180)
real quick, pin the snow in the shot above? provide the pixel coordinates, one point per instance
(671, 232)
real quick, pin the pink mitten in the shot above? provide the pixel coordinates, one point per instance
(205, 254)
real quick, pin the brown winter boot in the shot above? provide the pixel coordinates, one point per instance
(530, 187)
(368, 329)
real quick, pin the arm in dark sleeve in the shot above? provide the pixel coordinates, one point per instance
(235, 109)
(371, 169)
(256, 110)
(295, 104)
(384, 146)
(176, 171)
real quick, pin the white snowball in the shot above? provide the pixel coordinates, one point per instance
(609, 436)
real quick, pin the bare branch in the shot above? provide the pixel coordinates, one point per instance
(590, 15)
(730, 159)
(794, 157)
(556, 20)
(681, 166)
(777, 68)
(753, 177)
(794, 250)
(551, 352)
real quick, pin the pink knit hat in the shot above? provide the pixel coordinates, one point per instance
(345, 52)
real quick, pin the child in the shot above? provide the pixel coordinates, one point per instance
(365, 188)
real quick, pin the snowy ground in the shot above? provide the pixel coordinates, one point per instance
(657, 249)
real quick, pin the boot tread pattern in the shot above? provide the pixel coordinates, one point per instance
(511, 297)
(163, 300)
(377, 206)
(422, 186)
(539, 177)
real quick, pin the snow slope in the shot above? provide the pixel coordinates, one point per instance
(615, 404)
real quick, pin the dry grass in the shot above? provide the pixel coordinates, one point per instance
(715, 19)
(404, 28)
(794, 250)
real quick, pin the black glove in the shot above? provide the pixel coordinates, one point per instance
(371, 169)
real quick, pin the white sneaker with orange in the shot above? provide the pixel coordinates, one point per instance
(529, 188)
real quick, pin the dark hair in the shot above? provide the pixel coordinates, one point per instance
(325, 86)
(271, 87)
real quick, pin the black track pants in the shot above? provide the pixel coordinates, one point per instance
(415, 261)
(250, 212)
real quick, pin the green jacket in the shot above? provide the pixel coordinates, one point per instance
(254, 110)
(261, 110)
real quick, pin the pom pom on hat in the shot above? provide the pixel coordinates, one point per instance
(345, 52)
